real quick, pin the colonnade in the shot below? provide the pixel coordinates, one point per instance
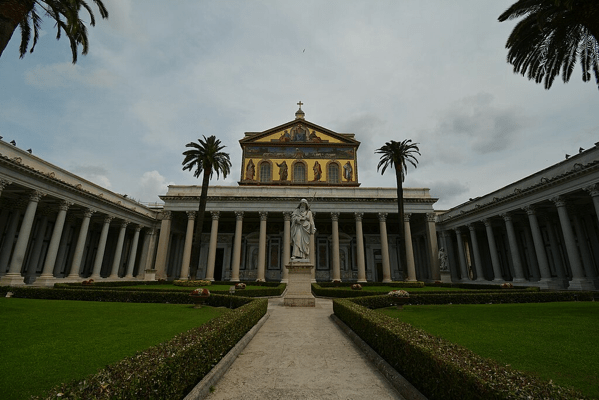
(265, 219)
(551, 244)
(46, 238)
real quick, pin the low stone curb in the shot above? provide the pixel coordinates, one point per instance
(401, 384)
(202, 389)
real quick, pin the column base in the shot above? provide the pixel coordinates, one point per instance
(551, 284)
(14, 279)
(45, 281)
(445, 277)
(150, 275)
(362, 281)
(283, 281)
(520, 280)
(581, 284)
(299, 289)
(387, 281)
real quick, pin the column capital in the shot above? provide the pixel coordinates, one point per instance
(592, 190)
(64, 205)
(4, 183)
(239, 215)
(287, 215)
(487, 221)
(263, 215)
(359, 216)
(458, 230)
(108, 219)
(559, 201)
(335, 216)
(530, 209)
(167, 215)
(471, 226)
(406, 217)
(431, 217)
(191, 215)
(124, 224)
(88, 212)
(138, 228)
(383, 217)
(506, 216)
(36, 196)
(215, 215)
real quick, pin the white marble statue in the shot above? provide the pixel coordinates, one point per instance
(443, 260)
(302, 226)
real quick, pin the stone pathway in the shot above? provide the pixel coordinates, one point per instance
(300, 353)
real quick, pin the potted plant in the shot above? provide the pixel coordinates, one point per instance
(240, 286)
(399, 298)
(507, 285)
(356, 286)
(199, 296)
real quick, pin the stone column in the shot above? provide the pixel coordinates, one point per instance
(560, 268)
(9, 239)
(409, 248)
(212, 248)
(148, 265)
(13, 276)
(360, 247)
(546, 281)
(163, 241)
(313, 249)
(478, 263)
(513, 241)
(533, 264)
(593, 191)
(47, 277)
(585, 252)
(433, 246)
(80, 246)
(237, 246)
(286, 245)
(36, 250)
(133, 253)
(262, 247)
(497, 277)
(335, 238)
(462, 256)
(578, 282)
(101, 248)
(385, 247)
(191, 216)
(114, 274)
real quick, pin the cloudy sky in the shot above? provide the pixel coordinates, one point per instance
(161, 73)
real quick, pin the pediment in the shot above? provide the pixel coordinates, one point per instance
(299, 132)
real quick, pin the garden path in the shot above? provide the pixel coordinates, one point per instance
(300, 353)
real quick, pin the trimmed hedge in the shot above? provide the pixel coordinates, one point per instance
(171, 369)
(438, 368)
(417, 284)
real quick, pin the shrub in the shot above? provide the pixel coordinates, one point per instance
(356, 286)
(191, 283)
(440, 369)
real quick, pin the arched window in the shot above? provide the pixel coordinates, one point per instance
(299, 172)
(264, 172)
(333, 173)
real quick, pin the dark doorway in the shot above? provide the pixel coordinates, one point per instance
(218, 264)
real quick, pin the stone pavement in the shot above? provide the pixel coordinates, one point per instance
(300, 353)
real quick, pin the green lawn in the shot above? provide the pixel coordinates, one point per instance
(188, 288)
(556, 341)
(46, 342)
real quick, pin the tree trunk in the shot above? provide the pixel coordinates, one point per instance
(400, 217)
(11, 13)
(197, 236)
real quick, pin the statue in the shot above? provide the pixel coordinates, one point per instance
(443, 260)
(250, 170)
(302, 226)
(317, 171)
(348, 171)
(282, 170)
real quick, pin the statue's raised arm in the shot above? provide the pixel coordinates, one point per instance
(302, 226)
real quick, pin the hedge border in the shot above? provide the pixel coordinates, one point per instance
(438, 368)
(168, 370)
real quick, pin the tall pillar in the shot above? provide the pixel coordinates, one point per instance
(114, 274)
(163, 241)
(262, 247)
(360, 247)
(593, 191)
(433, 246)
(335, 238)
(560, 269)
(409, 248)
(286, 245)
(80, 246)
(9, 239)
(212, 248)
(578, 282)
(462, 256)
(191, 216)
(47, 277)
(133, 253)
(478, 263)
(385, 247)
(35, 251)
(585, 252)
(513, 241)
(313, 249)
(97, 269)
(13, 276)
(237, 246)
(546, 281)
(533, 264)
(149, 248)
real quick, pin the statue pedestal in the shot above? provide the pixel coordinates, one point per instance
(445, 277)
(299, 288)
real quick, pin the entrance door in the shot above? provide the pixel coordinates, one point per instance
(218, 264)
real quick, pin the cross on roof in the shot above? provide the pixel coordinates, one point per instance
(300, 104)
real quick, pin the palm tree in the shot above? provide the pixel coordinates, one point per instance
(207, 157)
(552, 36)
(397, 155)
(25, 15)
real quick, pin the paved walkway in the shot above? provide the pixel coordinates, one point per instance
(300, 353)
